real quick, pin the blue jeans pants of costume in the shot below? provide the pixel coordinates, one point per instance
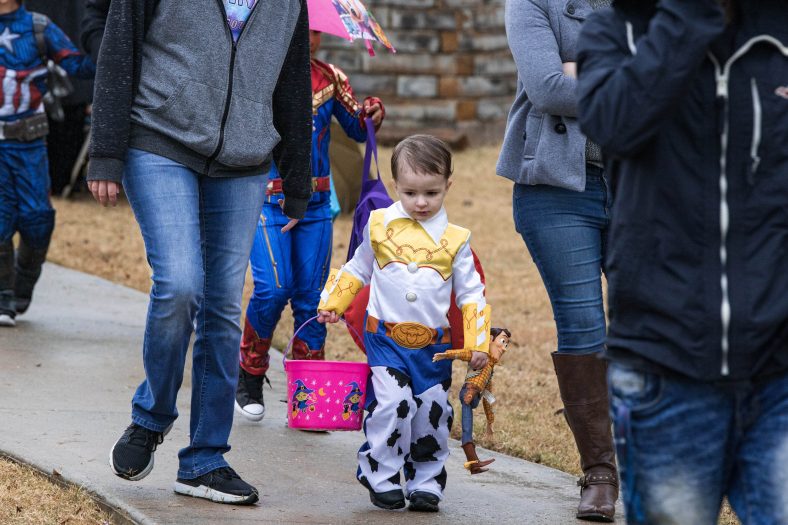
(566, 233)
(198, 232)
(682, 445)
(408, 417)
(467, 416)
(288, 267)
(24, 208)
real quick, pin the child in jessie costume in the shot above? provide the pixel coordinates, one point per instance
(413, 259)
(292, 266)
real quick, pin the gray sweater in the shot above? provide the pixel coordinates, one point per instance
(543, 143)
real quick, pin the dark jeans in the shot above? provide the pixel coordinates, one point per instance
(682, 445)
(566, 233)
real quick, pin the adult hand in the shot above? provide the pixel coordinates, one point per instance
(375, 112)
(324, 316)
(104, 191)
(478, 360)
(291, 223)
(570, 69)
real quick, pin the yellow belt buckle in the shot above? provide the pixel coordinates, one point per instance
(411, 335)
(314, 184)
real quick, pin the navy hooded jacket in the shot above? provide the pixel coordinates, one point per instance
(692, 114)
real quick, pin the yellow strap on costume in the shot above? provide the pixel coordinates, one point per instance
(340, 290)
(476, 327)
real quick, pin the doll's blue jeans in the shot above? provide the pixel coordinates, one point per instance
(467, 416)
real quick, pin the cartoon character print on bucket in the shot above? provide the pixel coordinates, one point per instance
(325, 395)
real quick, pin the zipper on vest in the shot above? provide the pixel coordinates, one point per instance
(229, 96)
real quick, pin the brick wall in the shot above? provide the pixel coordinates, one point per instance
(452, 75)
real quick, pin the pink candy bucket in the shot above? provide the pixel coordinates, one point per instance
(324, 395)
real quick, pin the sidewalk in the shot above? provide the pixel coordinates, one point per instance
(67, 374)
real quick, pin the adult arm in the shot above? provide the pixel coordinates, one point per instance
(93, 24)
(625, 95)
(114, 92)
(536, 53)
(292, 113)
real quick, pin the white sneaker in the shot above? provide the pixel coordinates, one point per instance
(7, 320)
(252, 411)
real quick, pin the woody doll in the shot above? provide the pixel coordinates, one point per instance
(478, 386)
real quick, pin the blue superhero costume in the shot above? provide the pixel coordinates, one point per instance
(294, 266)
(24, 178)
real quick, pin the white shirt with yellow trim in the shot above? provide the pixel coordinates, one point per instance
(408, 271)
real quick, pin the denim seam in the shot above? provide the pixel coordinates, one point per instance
(147, 424)
(202, 330)
(202, 470)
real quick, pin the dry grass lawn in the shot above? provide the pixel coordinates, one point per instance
(29, 498)
(106, 242)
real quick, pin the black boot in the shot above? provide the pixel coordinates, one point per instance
(28, 269)
(7, 307)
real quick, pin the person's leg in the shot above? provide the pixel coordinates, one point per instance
(164, 196)
(311, 261)
(273, 286)
(36, 219)
(759, 488)
(673, 440)
(429, 437)
(8, 217)
(228, 214)
(468, 446)
(564, 231)
(390, 407)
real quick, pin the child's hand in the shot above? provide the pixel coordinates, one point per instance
(375, 112)
(570, 69)
(488, 432)
(324, 316)
(478, 360)
(440, 357)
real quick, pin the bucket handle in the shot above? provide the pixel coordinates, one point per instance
(292, 339)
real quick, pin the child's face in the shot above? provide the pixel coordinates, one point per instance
(421, 194)
(9, 4)
(314, 41)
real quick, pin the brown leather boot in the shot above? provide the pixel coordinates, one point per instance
(302, 351)
(473, 464)
(582, 380)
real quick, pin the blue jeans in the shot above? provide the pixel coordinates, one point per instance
(198, 233)
(467, 416)
(566, 233)
(682, 445)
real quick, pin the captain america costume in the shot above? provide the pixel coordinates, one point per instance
(24, 178)
(294, 266)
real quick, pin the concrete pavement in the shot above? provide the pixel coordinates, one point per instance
(70, 367)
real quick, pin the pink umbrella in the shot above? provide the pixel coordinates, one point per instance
(348, 19)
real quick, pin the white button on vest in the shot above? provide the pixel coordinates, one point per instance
(411, 297)
(413, 267)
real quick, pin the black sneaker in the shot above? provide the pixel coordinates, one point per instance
(249, 395)
(423, 502)
(389, 500)
(222, 485)
(132, 456)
